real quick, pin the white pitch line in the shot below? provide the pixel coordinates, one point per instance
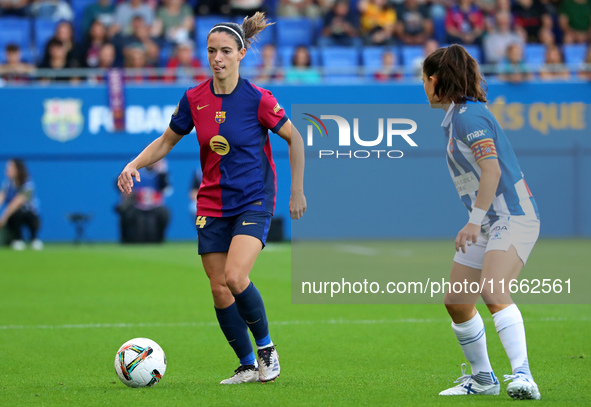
(283, 323)
(359, 250)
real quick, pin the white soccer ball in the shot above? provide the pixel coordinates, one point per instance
(140, 362)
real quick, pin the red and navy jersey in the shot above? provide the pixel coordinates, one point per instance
(233, 134)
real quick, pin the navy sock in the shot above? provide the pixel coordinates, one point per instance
(236, 332)
(252, 310)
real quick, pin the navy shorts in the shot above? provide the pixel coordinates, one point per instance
(215, 234)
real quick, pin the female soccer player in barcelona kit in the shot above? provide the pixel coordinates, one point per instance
(502, 229)
(237, 195)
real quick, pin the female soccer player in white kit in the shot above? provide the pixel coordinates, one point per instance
(502, 229)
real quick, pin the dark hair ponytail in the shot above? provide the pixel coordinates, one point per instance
(252, 26)
(457, 74)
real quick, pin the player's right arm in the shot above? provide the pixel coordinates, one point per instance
(156, 151)
(181, 124)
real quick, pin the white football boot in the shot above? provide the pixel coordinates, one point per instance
(522, 387)
(244, 374)
(468, 386)
(18, 245)
(37, 244)
(269, 368)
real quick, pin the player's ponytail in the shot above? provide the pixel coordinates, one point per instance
(252, 26)
(457, 74)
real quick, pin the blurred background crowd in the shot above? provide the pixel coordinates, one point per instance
(312, 40)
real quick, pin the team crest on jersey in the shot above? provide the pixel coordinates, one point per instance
(62, 120)
(220, 117)
(219, 144)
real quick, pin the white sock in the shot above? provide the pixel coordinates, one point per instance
(472, 337)
(509, 324)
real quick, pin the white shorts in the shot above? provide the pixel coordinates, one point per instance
(520, 231)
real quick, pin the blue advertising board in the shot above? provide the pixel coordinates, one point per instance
(65, 134)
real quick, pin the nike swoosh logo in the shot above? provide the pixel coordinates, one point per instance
(250, 323)
(201, 107)
(244, 223)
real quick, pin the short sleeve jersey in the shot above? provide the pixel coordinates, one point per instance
(473, 134)
(27, 190)
(233, 135)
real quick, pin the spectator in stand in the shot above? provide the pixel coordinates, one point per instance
(143, 215)
(174, 21)
(56, 10)
(136, 61)
(575, 21)
(388, 71)
(414, 26)
(464, 23)
(585, 72)
(107, 55)
(15, 70)
(378, 21)
(243, 8)
(65, 34)
(16, 8)
(553, 67)
(430, 46)
(56, 62)
(183, 65)
(299, 8)
(534, 18)
(126, 12)
(106, 60)
(496, 43)
(95, 39)
(513, 68)
(268, 69)
(213, 7)
(141, 35)
(103, 11)
(301, 70)
(339, 26)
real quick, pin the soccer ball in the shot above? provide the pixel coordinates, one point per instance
(140, 362)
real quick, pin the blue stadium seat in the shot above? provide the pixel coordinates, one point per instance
(535, 55)
(202, 27)
(44, 30)
(340, 62)
(166, 51)
(474, 51)
(15, 31)
(79, 7)
(252, 59)
(410, 53)
(294, 31)
(286, 55)
(574, 54)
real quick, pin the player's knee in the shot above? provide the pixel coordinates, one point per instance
(235, 281)
(219, 290)
(457, 310)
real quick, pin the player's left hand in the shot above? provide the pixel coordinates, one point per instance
(297, 205)
(2, 222)
(468, 235)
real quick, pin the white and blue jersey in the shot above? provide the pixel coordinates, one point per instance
(11, 190)
(473, 135)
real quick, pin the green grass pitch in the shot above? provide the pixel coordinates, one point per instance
(65, 311)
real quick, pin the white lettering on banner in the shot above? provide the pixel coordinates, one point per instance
(138, 119)
(466, 183)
